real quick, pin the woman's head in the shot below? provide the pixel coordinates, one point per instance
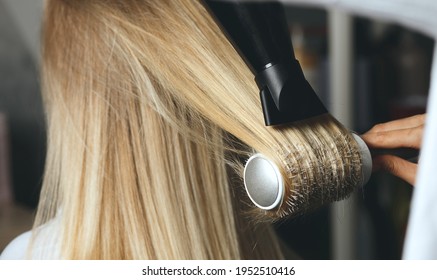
(140, 97)
(136, 95)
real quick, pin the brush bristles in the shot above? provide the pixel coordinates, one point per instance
(321, 165)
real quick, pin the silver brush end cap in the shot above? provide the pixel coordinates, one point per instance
(263, 182)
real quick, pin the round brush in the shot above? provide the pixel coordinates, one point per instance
(270, 189)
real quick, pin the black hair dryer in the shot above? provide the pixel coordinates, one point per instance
(260, 34)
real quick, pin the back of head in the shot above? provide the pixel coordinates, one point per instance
(135, 165)
(140, 97)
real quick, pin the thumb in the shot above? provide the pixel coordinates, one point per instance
(397, 166)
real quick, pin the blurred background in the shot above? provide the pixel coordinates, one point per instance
(22, 132)
(384, 69)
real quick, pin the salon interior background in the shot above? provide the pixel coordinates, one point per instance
(391, 67)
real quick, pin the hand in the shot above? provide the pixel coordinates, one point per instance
(403, 133)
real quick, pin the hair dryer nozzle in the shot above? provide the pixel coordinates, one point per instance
(286, 96)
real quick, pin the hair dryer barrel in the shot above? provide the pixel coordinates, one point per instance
(260, 34)
(258, 31)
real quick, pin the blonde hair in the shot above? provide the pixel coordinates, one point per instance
(141, 97)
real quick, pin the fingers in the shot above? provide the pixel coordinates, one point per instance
(401, 138)
(409, 122)
(396, 166)
(403, 133)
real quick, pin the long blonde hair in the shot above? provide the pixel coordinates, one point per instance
(140, 97)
